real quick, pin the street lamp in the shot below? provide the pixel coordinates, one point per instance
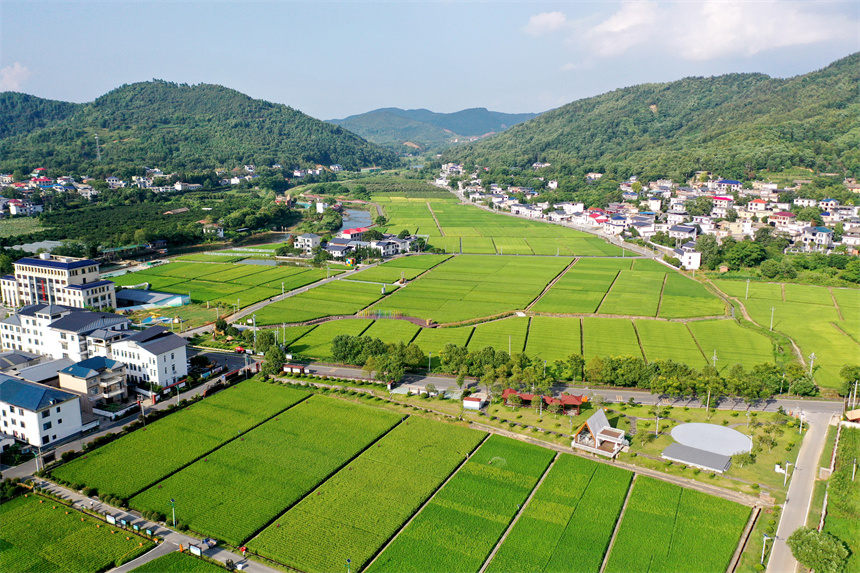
(763, 545)
(173, 505)
(429, 361)
(254, 317)
(785, 476)
(348, 563)
(282, 289)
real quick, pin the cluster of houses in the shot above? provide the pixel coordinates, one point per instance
(64, 363)
(349, 240)
(662, 207)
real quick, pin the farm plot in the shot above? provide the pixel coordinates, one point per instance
(434, 340)
(367, 501)
(733, 343)
(512, 246)
(317, 343)
(408, 268)
(47, 537)
(581, 289)
(686, 530)
(501, 335)
(184, 270)
(554, 338)
(609, 337)
(478, 245)
(568, 523)
(668, 341)
(157, 452)
(177, 562)
(808, 294)
(392, 331)
(686, 298)
(634, 292)
(210, 258)
(302, 446)
(330, 299)
(477, 505)
(473, 286)
(156, 282)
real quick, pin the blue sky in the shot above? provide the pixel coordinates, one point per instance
(333, 59)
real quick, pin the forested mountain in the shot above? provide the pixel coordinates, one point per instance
(395, 128)
(183, 127)
(23, 113)
(733, 125)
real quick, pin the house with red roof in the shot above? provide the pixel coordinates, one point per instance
(356, 234)
(782, 218)
(568, 402)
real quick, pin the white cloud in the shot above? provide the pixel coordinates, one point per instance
(545, 23)
(628, 27)
(720, 28)
(13, 77)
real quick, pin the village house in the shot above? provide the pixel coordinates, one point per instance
(307, 242)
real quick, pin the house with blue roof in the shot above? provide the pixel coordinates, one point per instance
(37, 414)
(53, 279)
(98, 380)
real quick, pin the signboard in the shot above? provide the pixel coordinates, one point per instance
(135, 527)
(110, 519)
(123, 522)
(148, 532)
(195, 550)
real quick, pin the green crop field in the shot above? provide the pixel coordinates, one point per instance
(686, 530)
(568, 523)
(210, 258)
(317, 343)
(366, 502)
(408, 268)
(14, 226)
(508, 333)
(808, 317)
(392, 331)
(157, 452)
(177, 562)
(634, 292)
(733, 343)
(48, 537)
(843, 510)
(331, 299)
(434, 340)
(460, 526)
(156, 282)
(609, 337)
(473, 286)
(554, 338)
(686, 298)
(668, 341)
(582, 288)
(231, 492)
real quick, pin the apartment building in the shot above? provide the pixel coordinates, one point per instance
(49, 279)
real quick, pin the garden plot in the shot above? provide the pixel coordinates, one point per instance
(230, 494)
(733, 343)
(686, 298)
(367, 501)
(500, 335)
(157, 452)
(568, 523)
(634, 293)
(43, 536)
(686, 530)
(317, 343)
(669, 341)
(460, 526)
(609, 337)
(554, 338)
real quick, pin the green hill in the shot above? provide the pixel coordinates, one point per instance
(733, 125)
(177, 127)
(23, 113)
(401, 129)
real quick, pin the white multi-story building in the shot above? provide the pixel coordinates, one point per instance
(59, 331)
(49, 279)
(37, 414)
(154, 355)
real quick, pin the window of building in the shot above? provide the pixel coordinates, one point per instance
(60, 421)
(46, 426)
(58, 409)
(46, 413)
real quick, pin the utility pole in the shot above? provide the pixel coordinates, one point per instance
(98, 151)
(811, 362)
(748, 290)
(254, 317)
(715, 358)
(429, 361)
(773, 308)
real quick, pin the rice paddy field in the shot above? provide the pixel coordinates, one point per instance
(554, 338)
(204, 426)
(223, 283)
(460, 526)
(822, 320)
(669, 341)
(506, 334)
(331, 299)
(469, 287)
(354, 513)
(392, 271)
(732, 343)
(317, 342)
(433, 340)
(40, 535)
(392, 331)
(301, 446)
(686, 530)
(609, 337)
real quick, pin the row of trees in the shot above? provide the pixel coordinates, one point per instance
(387, 362)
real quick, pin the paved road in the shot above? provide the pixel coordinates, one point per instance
(796, 508)
(172, 539)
